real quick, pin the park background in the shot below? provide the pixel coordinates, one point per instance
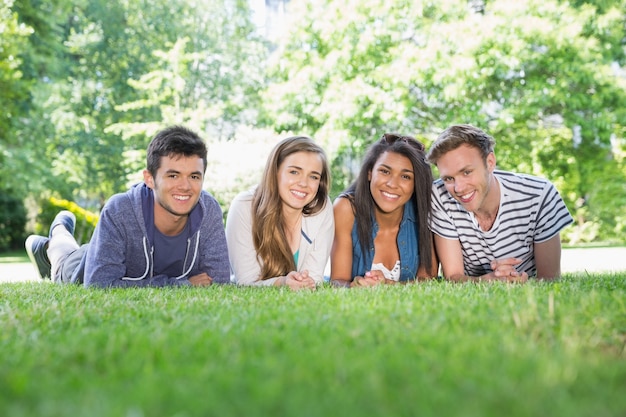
(85, 84)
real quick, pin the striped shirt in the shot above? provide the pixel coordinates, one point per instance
(531, 211)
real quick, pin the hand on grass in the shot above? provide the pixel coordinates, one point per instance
(370, 279)
(504, 270)
(201, 280)
(298, 280)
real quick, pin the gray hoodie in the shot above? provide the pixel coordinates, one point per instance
(121, 251)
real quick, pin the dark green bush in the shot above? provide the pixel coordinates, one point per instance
(12, 221)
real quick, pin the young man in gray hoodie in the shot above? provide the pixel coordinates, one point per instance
(166, 231)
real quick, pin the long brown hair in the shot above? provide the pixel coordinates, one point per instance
(268, 224)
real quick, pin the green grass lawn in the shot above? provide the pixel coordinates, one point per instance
(436, 349)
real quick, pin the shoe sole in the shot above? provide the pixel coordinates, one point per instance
(33, 260)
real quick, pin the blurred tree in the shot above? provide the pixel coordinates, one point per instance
(545, 78)
(14, 87)
(103, 51)
(209, 81)
(86, 82)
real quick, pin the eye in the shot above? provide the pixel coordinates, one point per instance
(467, 172)
(383, 171)
(196, 177)
(407, 177)
(173, 176)
(293, 172)
(448, 179)
(315, 177)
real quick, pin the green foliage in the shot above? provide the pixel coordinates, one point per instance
(496, 349)
(115, 72)
(12, 221)
(554, 99)
(85, 220)
(13, 38)
(86, 83)
(14, 87)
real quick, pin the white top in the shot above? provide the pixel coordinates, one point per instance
(318, 232)
(531, 211)
(393, 275)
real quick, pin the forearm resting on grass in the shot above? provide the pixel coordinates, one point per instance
(548, 258)
(358, 281)
(451, 257)
(502, 270)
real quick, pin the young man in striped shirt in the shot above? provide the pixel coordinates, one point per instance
(490, 224)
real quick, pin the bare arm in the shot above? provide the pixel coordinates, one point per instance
(423, 273)
(341, 251)
(451, 257)
(548, 258)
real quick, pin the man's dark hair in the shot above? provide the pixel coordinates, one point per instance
(174, 141)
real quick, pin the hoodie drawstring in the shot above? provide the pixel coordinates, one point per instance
(195, 254)
(147, 255)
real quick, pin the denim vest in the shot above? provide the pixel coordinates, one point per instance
(407, 247)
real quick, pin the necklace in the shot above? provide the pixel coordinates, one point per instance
(293, 231)
(296, 224)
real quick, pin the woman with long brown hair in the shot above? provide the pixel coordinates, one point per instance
(280, 233)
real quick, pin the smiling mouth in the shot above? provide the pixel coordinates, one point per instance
(298, 194)
(389, 195)
(181, 197)
(466, 198)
